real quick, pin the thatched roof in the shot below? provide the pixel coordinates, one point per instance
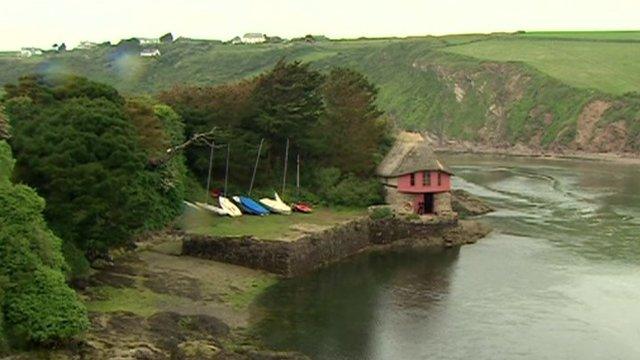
(411, 153)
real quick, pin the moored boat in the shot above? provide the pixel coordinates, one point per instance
(302, 208)
(250, 206)
(191, 205)
(276, 205)
(214, 209)
(229, 206)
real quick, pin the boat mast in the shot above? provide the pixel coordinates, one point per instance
(298, 176)
(286, 159)
(226, 170)
(255, 167)
(206, 196)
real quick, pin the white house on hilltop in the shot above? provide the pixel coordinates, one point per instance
(253, 38)
(30, 51)
(86, 45)
(149, 41)
(150, 52)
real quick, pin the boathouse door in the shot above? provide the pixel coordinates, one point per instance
(428, 203)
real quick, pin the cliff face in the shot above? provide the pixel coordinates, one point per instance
(423, 87)
(504, 105)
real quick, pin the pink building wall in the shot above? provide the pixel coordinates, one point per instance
(419, 186)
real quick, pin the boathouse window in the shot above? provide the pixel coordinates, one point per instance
(439, 178)
(426, 178)
(412, 179)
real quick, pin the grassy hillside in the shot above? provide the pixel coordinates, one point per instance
(498, 89)
(585, 35)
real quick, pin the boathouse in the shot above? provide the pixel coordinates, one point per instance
(414, 179)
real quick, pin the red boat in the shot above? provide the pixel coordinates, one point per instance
(302, 207)
(215, 193)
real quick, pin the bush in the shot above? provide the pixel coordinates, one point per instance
(3, 342)
(381, 213)
(43, 309)
(36, 305)
(347, 190)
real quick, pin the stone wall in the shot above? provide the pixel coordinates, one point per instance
(311, 251)
(286, 258)
(442, 203)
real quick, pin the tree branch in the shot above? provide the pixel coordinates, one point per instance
(199, 138)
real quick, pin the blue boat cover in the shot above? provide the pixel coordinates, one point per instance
(251, 206)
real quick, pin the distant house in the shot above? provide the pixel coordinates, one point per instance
(415, 181)
(148, 41)
(151, 52)
(30, 51)
(253, 38)
(236, 40)
(85, 45)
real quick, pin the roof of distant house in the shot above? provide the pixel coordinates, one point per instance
(253, 35)
(411, 153)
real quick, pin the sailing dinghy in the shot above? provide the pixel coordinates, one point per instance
(229, 206)
(302, 208)
(214, 209)
(276, 205)
(250, 206)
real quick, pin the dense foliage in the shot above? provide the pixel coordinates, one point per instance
(36, 304)
(4, 126)
(158, 128)
(331, 121)
(86, 150)
(351, 127)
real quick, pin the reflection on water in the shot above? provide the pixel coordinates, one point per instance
(347, 301)
(558, 279)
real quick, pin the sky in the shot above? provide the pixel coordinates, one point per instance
(41, 23)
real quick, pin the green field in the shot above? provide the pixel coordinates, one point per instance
(585, 35)
(610, 67)
(271, 227)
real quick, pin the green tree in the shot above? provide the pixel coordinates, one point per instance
(87, 151)
(158, 128)
(36, 304)
(351, 129)
(289, 104)
(4, 126)
(225, 108)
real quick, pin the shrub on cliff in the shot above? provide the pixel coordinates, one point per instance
(36, 305)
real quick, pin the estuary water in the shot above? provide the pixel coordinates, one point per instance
(559, 277)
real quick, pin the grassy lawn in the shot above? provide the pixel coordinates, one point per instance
(607, 66)
(273, 227)
(143, 302)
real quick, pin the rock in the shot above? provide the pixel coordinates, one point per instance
(467, 205)
(197, 349)
(275, 355)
